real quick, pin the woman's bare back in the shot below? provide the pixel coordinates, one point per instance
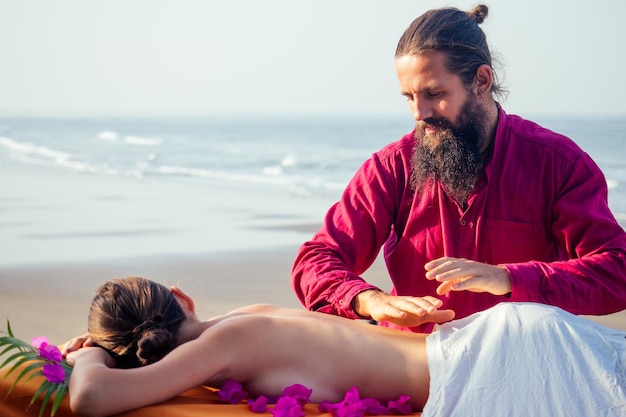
(268, 348)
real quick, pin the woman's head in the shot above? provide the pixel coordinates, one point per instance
(455, 33)
(136, 320)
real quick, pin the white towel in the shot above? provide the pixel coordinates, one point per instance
(526, 359)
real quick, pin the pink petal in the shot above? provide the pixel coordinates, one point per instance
(351, 406)
(374, 407)
(352, 395)
(232, 392)
(351, 410)
(301, 393)
(287, 407)
(40, 341)
(401, 405)
(259, 405)
(326, 406)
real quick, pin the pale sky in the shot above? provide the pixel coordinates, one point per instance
(204, 57)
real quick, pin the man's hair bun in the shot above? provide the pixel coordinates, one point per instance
(479, 13)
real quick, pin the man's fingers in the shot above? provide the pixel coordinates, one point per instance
(439, 316)
(418, 305)
(400, 307)
(437, 263)
(391, 311)
(439, 268)
(412, 311)
(458, 284)
(444, 288)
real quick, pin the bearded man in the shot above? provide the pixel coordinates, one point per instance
(474, 207)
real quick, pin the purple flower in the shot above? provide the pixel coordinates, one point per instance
(351, 410)
(352, 395)
(273, 399)
(400, 406)
(351, 406)
(232, 392)
(54, 373)
(301, 393)
(46, 350)
(374, 407)
(287, 407)
(259, 405)
(326, 406)
(51, 353)
(296, 396)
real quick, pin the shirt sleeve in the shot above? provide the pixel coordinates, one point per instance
(326, 272)
(592, 279)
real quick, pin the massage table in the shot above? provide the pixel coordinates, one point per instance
(198, 402)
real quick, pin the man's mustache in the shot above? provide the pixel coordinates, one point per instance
(440, 123)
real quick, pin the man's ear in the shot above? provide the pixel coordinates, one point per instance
(484, 80)
(184, 300)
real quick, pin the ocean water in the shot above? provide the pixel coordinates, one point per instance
(300, 157)
(108, 188)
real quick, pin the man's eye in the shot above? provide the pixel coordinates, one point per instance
(434, 94)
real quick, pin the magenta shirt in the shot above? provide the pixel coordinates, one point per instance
(540, 209)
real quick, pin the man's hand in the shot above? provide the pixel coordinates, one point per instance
(456, 274)
(401, 310)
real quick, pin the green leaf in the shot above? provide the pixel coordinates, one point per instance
(44, 402)
(6, 350)
(39, 391)
(58, 398)
(15, 343)
(9, 328)
(21, 362)
(8, 342)
(31, 368)
(21, 353)
(16, 356)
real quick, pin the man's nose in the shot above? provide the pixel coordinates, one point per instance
(421, 109)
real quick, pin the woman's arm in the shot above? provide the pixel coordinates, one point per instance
(99, 389)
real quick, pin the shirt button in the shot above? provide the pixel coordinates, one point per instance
(463, 222)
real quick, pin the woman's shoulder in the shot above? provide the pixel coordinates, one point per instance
(242, 322)
(257, 309)
(249, 312)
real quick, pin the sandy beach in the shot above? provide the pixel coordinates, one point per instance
(53, 299)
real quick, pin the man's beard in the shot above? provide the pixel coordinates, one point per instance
(452, 155)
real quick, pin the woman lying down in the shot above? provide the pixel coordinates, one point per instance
(146, 345)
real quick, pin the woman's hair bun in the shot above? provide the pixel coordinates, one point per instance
(479, 13)
(153, 344)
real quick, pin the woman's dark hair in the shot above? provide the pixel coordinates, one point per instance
(136, 320)
(456, 33)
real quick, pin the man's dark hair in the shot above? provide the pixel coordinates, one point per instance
(456, 33)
